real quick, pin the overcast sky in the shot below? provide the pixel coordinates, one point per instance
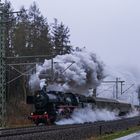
(110, 28)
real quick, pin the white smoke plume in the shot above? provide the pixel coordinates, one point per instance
(34, 82)
(75, 72)
(83, 115)
(81, 71)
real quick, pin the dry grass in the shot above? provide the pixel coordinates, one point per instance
(17, 114)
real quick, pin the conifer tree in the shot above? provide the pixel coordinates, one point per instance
(60, 38)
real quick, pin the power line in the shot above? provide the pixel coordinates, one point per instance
(117, 81)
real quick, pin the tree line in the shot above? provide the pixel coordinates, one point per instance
(28, 33)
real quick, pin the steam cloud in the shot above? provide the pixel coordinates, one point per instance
(80, 116)
(76, 72)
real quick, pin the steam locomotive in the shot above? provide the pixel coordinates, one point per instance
(52, 106)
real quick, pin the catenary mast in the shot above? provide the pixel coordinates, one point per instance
(2, 67)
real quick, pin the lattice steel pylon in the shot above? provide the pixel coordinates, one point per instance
(2, 68)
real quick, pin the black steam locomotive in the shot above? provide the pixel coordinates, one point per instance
(52, 106)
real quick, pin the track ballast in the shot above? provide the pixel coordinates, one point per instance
(68, 132)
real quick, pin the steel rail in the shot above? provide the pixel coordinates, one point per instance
(10, 132)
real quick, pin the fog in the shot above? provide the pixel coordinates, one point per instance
(111, 28)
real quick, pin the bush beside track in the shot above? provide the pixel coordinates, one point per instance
(17, 114)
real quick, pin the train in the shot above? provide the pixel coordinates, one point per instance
(52, 106)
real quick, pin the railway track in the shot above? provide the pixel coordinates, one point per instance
(35, 129)
(68, 132)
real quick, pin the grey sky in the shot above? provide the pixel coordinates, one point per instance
(111, 28)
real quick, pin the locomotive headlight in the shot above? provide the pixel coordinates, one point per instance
(45, 112)
(32, 114)
(37, 95)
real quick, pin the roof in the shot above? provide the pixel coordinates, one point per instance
(105, 100)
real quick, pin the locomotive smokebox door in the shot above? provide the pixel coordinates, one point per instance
(30, 100)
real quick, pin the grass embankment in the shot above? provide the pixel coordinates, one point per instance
(117, 134)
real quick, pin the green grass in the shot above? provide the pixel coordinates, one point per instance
(117, 134)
